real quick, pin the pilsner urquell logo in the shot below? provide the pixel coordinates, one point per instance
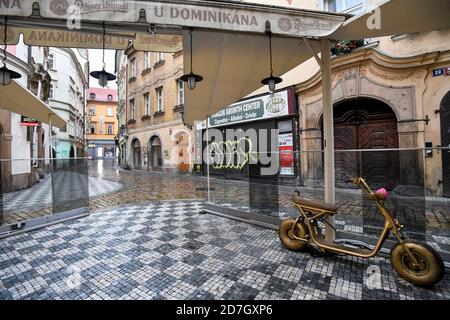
(59, 7)
(276, 104)
(10, 34)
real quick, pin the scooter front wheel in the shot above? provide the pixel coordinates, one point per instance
(286, 234)
(427, 272)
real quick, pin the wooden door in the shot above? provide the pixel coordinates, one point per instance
(346, 162)
(445, 142)
(380, 168)
(360, 125)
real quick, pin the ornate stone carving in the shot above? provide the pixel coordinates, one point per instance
(390, 76)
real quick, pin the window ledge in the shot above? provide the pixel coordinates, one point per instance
(158, 114)
(159, 63)
(146, 117)
(177, 54)
(179, 108)
(146, 71)
(131, 121)
(132, 79)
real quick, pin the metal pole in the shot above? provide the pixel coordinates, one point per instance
(208, 159)
(328, 133)
(50, 139)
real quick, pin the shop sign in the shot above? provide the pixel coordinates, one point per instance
(286, 149)
(447, 71)
(264, 107)
(29, 122)
(438, 72)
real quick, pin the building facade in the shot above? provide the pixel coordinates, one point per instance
(68, 70)
(24, 151)
(121, 68)
(102, 123)
(157, 138)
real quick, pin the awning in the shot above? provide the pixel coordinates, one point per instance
(18, 99)
(233, 66)
(47, 37)
(393, 17)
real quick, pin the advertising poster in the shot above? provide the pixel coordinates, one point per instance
(286, 149)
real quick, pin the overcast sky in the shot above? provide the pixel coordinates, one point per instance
(96, 64)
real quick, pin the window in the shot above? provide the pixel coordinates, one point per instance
(109, 112)
(146, 104)
(110, 128)
(91, 128)
(132, 110)
(51, 61)
(346, 6)
(92, 110)
(92, 96)
(160, 57)
(133, 68)
(72, 94)
(159, 97)
(180, 86)
(51, 91)
(110, 96)
(147, 61)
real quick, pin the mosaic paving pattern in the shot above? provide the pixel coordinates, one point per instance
(438, 239)
(167, 250)
(40, 194)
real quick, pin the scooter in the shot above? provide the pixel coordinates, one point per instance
(417, 263)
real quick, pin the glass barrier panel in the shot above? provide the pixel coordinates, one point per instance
(26, 190)
(70, 183)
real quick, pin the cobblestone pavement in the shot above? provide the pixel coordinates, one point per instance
(148, 186)
(37, 200)
(167, 250)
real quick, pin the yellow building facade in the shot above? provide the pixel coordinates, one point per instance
(102, 123)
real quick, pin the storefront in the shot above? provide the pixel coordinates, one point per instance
(101, 149)
(264, 126)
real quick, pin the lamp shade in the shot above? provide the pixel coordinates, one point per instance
(191, 80)
(272, 82)
(103, 77)
(7, 75)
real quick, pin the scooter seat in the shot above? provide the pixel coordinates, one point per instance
(314, 205)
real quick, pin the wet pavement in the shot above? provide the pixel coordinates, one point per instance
(145, 239)
(168, 250)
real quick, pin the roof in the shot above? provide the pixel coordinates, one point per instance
(102, 95)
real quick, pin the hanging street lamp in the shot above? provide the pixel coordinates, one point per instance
(6, 75)
(271, 81)
(103, 76)
(191, 78)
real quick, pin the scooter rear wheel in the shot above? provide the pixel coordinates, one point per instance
(430, 269)
(286, 233)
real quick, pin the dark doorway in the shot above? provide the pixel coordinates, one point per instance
(366, 124)
(155, 152)
(445, 142)
(136, 147)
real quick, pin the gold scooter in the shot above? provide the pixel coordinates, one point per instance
(415, 262)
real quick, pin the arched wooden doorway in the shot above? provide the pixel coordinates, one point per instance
(136, 147)
(155, 152)
(366, 123)
(445, 142)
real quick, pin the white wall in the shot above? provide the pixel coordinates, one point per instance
(20, 147)
(69, 104)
